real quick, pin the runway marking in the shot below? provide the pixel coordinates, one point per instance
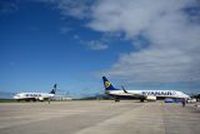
(25, 119)
(99, 117)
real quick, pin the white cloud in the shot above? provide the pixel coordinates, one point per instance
(173, 54)
(64, 30)
(96, 45)
(8, 7)
(76, 8)
(76, 37)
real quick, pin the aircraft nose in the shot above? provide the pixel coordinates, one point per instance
(15, 97)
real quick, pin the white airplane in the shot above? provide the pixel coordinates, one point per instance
(35, 96)
(149, 95)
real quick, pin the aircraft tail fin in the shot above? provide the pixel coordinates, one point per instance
(53, 91)
(107, 84)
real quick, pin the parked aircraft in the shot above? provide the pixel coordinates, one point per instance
(149, 95)
(36, 96)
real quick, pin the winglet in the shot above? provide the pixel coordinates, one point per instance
(124, 90)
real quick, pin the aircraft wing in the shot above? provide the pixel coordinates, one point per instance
(133, 94)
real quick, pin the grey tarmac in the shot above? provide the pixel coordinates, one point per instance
(98, 117)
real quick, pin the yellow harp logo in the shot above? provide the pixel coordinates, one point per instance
(107, 84)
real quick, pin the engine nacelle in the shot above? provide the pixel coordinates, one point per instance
(41, 99)
(151, 98)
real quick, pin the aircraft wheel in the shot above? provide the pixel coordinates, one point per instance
(142, 100)
(117, 100)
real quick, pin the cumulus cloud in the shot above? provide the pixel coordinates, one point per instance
(170, 31)
(96, 45)
(173, 54)
(76, 8)
(64, 30)
(8, 6)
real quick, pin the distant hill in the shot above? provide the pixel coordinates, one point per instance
(6, 95)
(96, 97)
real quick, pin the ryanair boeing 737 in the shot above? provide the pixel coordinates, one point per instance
(36, 96)
(150, 95)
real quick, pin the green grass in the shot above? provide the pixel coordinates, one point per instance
(7, 100)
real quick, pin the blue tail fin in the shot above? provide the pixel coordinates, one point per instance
(107, 84)
(53, 91)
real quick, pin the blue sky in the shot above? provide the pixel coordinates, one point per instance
(73, 43)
